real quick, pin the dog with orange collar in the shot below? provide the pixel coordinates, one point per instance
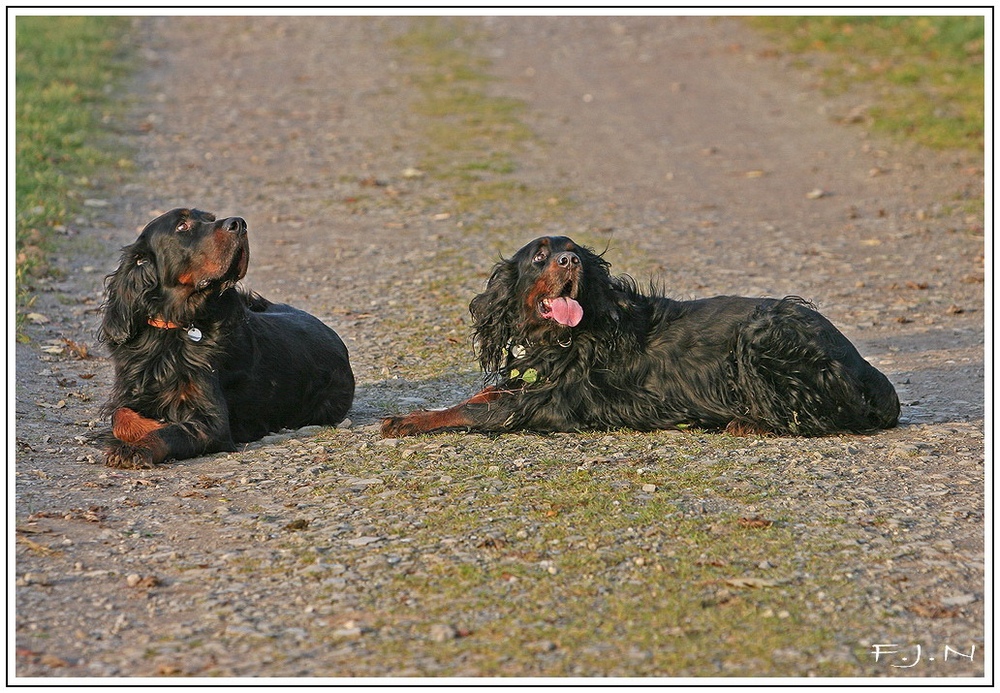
(202, 365)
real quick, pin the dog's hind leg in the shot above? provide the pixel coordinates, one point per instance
(796, 373)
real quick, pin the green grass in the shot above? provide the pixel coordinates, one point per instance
(452, 79)
(562, 569)
(472, 138)
(927, 73)
(66, 71)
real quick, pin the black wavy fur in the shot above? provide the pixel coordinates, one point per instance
(643, 361)
(247, 368)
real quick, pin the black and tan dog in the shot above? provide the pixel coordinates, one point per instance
(201, 365)
(567, 346)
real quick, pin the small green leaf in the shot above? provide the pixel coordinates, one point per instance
(514, 373)
(530, 375)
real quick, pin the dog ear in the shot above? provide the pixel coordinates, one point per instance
(605, 295)
(128, 291)
(495, 313)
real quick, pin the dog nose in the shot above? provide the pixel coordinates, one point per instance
(237, 225)
(567, 259)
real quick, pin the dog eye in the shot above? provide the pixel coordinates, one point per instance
(540, 257)
(184, 226)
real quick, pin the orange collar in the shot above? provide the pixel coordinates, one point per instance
(162, 324)
(193, 333)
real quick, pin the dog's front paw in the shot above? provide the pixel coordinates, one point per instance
(126, 456)
(399, 427)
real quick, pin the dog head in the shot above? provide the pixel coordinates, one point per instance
(549, 288)
(180, 261)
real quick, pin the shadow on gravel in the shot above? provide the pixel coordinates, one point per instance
(941, 395)
(939, 376)
(394, 396)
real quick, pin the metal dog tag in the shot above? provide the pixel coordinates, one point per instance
(194, 334)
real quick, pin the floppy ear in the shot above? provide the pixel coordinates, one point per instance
(604, 295)
(495, 316)
(128, 291)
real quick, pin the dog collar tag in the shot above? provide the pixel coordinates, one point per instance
(194, 334)
(518, 351)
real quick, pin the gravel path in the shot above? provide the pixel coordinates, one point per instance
(699, 160)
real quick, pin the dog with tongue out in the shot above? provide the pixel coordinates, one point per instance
(566, 346)
(525, 324)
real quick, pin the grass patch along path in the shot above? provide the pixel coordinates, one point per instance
(67, 73)
(926, 73)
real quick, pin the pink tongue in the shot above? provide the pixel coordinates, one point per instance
(565, 311)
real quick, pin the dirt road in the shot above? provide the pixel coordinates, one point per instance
(698, 159)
